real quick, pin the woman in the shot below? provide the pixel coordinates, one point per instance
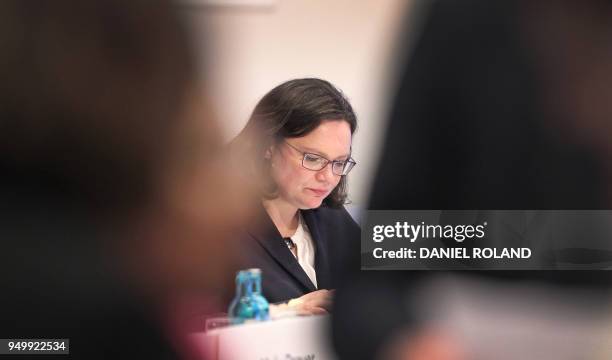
(298, 142)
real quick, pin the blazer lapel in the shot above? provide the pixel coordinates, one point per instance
(321, 253)
(267, 235)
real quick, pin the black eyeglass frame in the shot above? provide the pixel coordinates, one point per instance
(350, 161)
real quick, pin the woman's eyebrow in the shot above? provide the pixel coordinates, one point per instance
(322, 153)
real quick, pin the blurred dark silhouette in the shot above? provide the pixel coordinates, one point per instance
(503, 105)
(109, 168)
(474, 125)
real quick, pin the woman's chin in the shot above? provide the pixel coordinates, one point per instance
(311, 203)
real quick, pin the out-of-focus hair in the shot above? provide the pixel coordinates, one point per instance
(91, 95)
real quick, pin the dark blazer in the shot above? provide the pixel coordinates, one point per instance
(334, 233)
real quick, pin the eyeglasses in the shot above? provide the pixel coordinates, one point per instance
(316, 162)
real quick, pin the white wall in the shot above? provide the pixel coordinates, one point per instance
(249, 50)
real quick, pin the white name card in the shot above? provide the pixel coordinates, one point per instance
(298, 338)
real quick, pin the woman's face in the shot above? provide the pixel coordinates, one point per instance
(303, 188)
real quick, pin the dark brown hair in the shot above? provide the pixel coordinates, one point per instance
(292, 109)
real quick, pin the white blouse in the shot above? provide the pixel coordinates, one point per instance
(305, 249)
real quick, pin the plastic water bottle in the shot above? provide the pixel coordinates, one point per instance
(249, 303)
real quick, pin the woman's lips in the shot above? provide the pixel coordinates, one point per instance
(318, 192)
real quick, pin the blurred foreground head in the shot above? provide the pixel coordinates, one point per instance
(93, 96)
(502, 105)
(102, 117)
